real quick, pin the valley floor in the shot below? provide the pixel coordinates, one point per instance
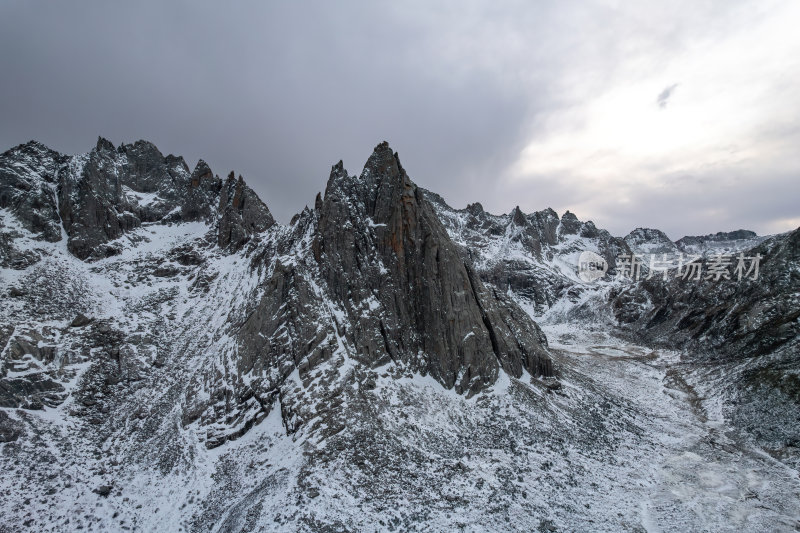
(706, 476)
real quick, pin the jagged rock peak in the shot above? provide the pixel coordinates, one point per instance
(337, 171)
(142, 150)
(570, 223)
(475, 209)
(201, 171)
(104, 144)
(649, 236)
(108, 191)
(31, 147)
(380, 245)
(384, 161)
(242, 213)
(33, 143)
(647, 233)
(176, 161)
(518, 217)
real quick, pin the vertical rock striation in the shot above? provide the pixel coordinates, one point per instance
(381, 248)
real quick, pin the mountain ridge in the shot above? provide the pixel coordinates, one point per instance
(100, 197)
(172, 357)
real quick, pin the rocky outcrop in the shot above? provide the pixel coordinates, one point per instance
(650, 241)
(28, 174)
(99, 196)
(109, 192)
(369, 275)
(381, 248)
(93, 205)
(242, 214)
(28, 206)
(200, 197)
(31, 392)
(10, 429)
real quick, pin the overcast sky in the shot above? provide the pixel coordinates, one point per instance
(683, 116)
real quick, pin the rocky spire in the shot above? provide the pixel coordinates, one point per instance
(104, 144)
(242, 214)
(378, 237)
(518, 217)
(475, 209)
(201, 172)
(570, 225)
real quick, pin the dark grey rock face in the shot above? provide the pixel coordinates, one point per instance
(370, 275)
(242, 214)
(10, 430)
(381, 246)
(729, 317)
(199, 200)
(80, 321)
(112, 191)
(93, 207)
(28, 174)
(31, 392)
(719, 243)
(570, 225)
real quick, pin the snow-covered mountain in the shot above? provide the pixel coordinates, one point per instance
(723, 242)
(171, 358)
(743, 328)
(647, 241)
(532, 257)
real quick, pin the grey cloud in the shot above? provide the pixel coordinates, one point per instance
(664, 96)
(277, 92)
(280, 91)
(695, 203)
